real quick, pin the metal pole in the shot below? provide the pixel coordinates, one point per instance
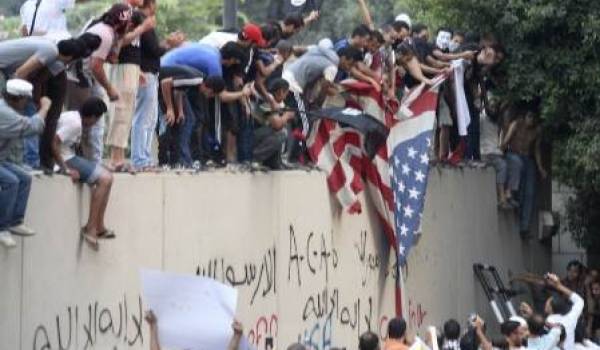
(229, 14)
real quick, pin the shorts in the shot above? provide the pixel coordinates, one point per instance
(231, 114)
(89, 171)
(125, 78)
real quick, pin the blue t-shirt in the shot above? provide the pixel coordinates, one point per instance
(202, 57)
(341, 75)
(340, 44)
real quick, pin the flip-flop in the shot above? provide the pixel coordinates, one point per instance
(107, 234)
(92, 241)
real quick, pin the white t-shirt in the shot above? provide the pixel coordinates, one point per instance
(50, 19)
(108, 43)
(69, 132)
(569, 321)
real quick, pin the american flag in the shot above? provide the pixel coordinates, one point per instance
(338, 149)
(409, 145)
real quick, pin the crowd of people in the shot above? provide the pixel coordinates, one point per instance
(563, 321)
(81, 105)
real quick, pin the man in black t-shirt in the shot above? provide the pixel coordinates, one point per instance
(125, 76)
(146, 108)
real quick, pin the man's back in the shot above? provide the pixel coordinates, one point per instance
(13, 53)
(202, 57)
(393, 344)
(13, 127)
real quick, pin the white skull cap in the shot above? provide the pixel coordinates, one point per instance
(19, 87)
(520, 320)
(404, 18)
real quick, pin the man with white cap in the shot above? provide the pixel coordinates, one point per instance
(403, 17)
(15, 183)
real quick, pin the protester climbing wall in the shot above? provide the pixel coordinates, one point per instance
(305, 271)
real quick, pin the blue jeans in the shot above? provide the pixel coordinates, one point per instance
(31, 155)
(473, 138)
(527, 192)
(15, 184)
(186, 131)
(245, 140)
(144, 122)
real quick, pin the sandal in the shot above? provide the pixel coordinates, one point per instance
(107, 234)
(91, 240)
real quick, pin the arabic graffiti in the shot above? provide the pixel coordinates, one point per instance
(259, 275)
(82, 328)
(316, 255)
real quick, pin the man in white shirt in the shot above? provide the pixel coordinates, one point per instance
(559, 312)
(68, 136)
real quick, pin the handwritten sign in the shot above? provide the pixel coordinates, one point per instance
(194, 313)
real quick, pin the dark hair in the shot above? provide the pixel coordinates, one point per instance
(284, 46)
(404, 50)
(560, 305)
(508, 327)
(91, 41)
(147, 3)
(399, 25)
(271, 32)
(361, 31)
(378, 36)
(458, 33)
(368, 341)
(215, 83)
(70, 47)
(350, 53)
(114, 16)
(296, 346)
(452, 329)
(278, 84)
(575, 263)
(93, 107)
(396, 328)
(445, 29)
(499, 48)
(536, 325)
(295, 20)
(419, 27)
(233, 50)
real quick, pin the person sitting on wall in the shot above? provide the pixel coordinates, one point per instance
(270, 135)
(68, 135)
(15, 182)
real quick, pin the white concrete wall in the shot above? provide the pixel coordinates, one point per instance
(305, 271)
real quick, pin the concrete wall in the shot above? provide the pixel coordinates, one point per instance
(305, 270)
(564, 248)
